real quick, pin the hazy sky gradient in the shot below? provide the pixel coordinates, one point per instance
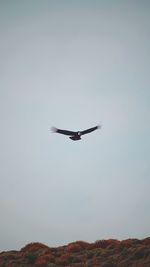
(74, 64)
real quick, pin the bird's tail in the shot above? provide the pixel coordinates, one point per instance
(53, 129)
(99, 126)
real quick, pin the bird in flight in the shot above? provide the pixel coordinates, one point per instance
(75, 136)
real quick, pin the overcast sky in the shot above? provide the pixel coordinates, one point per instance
(73, 65)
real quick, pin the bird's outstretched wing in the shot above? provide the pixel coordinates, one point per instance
(90, 130)
(66, 132)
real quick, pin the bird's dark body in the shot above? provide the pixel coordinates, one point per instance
(75, 136)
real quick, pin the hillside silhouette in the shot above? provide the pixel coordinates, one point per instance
(102, 253)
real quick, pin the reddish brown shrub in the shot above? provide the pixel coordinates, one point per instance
(64, 259)
(146, 241)
(105, 243)
(130, 242)
(77, 246)
(32, 247)
(43, 260)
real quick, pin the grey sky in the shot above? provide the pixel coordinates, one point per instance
(73, 64)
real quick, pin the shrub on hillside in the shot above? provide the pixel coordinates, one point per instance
(52, 265)
(109, 264)
(146, 241)
(32, 247)
(77, 246)
(105, 243)
(64, 259)
(44, 260)
(31, 257)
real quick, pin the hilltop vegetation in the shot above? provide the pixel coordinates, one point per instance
(102, 253)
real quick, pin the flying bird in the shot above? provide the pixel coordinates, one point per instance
(75, 136)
